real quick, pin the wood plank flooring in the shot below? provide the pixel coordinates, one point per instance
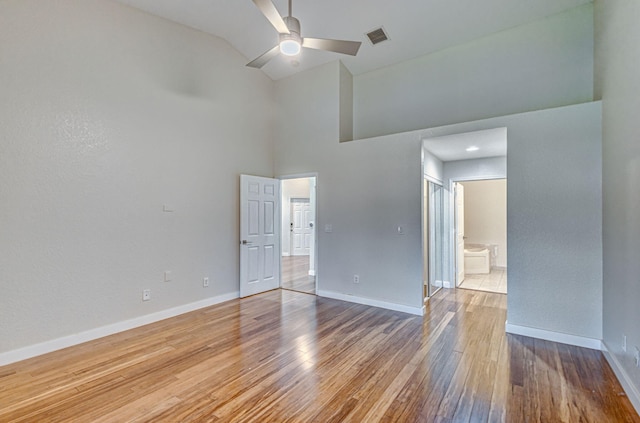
(295, 274)
(284, 356)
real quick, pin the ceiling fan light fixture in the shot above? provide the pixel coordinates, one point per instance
(290, 47)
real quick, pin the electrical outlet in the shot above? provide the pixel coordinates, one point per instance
(167, 275)
(356, 278)
(205, 282)
(146, 295)
(624, 343)
(636, 356)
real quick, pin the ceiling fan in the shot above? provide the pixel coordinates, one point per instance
(291, 41)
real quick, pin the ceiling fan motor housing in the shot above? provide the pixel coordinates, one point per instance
(294, 28)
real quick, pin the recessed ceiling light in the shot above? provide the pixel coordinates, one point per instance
(473, 148)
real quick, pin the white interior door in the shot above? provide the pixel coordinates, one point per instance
(259, 234)
(459, 213)
(301, 226)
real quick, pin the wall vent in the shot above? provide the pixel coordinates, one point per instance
(377, 36)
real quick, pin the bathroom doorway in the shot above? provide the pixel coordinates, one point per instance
(480, 218)
(446, 160)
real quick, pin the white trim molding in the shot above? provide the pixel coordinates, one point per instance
(563, 338)
(625, 378)
(100, 332)
(419, 311)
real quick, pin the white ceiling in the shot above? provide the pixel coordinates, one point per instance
(490, 143)
(415, 27)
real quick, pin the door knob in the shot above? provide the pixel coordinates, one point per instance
(245, 242)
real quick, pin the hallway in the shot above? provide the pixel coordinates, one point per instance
(295, 275)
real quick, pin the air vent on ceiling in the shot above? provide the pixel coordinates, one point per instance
(377, 36)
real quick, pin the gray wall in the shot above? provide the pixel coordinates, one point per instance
(365, 189)
(554, 220)
(368, 187)
(617, 82)
(107, 115)
(433, 167)
(553, 215)
(547, 63)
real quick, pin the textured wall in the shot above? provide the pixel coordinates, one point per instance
(554, 218)
(554, 226)
(364, 190)
(617, 70)
(547, 63)
(368, 187)
(107, 115)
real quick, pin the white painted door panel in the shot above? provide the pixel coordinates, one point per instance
(259, 234)
(302, 226)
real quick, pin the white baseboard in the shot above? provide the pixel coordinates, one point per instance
(625, 378)
(563, 338)
(100, 332)
(285, 254)
(371, 302)
(312, 272)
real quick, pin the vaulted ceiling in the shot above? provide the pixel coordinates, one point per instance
(415, 27)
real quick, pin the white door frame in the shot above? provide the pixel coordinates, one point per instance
(313, 256)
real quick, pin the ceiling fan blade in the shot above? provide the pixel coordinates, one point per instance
(338, 46)
(270, 12)
(264, 58)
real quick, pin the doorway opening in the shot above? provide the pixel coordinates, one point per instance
(298, 237)
(447, 160)
(481, 234)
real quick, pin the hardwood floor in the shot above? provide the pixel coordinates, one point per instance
(295, 274)
(284, 356)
